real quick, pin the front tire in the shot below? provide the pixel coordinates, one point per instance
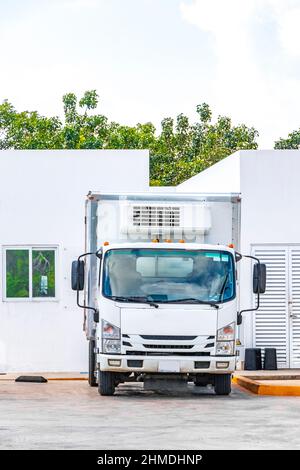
(92, 364)
(222, 384)
(106, 383)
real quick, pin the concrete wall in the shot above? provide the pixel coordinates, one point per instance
(42, 196)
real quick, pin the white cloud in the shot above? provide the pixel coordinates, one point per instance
(216, 15)
(244, 87)
(80, 3)
(289, 31)
(251, 72)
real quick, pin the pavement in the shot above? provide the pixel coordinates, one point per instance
(11, 376)
(68, 414)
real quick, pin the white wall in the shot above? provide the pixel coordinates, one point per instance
(269, 182)
(270, 188)
(223, 177)
(42, 196)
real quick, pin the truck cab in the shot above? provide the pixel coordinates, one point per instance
(167, 308)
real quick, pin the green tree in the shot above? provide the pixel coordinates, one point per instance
(177, 152)
(28, 130)
(183, 150)
(291, 142)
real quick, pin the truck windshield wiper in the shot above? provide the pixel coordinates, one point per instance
(138, 299)
(191, 300)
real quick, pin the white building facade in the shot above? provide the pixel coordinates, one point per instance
(268, 182)
(42, 195)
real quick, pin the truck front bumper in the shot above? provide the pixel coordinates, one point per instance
(167, 364)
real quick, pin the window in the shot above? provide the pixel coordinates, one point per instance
(17, 273)
(30, 273)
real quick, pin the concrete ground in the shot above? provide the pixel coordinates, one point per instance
(71, 415)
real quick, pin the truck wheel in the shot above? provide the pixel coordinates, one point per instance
(223, 384)
(106, 383)
(92, 364)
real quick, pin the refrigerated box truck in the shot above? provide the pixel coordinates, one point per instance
(160, 286)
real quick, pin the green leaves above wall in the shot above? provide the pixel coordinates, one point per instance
(178, 150)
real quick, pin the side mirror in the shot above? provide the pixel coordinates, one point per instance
(259, 278)
(77, 275)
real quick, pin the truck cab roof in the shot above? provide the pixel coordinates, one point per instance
(166, 246)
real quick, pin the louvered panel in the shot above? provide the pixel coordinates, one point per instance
(295, 306)
(156, 216)
(271, 318)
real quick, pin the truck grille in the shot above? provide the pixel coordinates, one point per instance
(169, 338)
(163, 353)
(168, 346)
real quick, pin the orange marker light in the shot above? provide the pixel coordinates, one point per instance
(168, 240)
(155, 240)
(106, 243)
(231, 245)
(181, 241)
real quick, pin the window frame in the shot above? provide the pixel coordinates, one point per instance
(30, 248)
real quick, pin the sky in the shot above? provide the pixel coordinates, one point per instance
(149, 59)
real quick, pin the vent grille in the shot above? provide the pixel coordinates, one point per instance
(156, 216)
(295, 297)
(271, 318)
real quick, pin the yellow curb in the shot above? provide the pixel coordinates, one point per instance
(279, 390)
(267, 389)
(246, 383)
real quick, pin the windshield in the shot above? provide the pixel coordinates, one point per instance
(168, 275)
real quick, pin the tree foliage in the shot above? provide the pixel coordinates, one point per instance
(177, 152)
(291, 142)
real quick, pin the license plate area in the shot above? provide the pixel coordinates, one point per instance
(169, 366)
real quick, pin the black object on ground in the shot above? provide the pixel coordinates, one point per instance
(31, 378)
(253, 359)
(270, 359)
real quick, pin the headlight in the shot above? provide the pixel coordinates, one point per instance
(226, 333)
(112, 346)
(225, 348)
(110, 331)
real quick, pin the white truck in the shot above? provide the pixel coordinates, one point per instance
(159, 276)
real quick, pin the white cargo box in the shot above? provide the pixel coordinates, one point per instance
(142, 217)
